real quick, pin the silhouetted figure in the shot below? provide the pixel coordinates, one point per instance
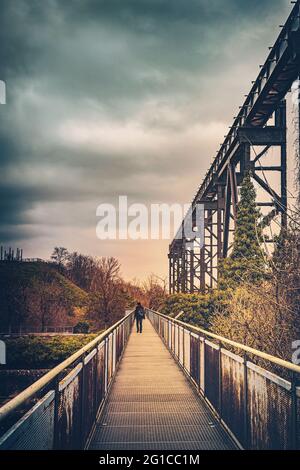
(139, 315)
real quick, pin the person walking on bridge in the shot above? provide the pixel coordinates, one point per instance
(139, 315)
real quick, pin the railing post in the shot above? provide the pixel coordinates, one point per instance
(190, 335)
(56, 410)
(220, 381)
(114, 352)
(246, 428)
(179, 329)
(106, 365)
(204, 367)
(174, 337)
(199, 363)
(96, 385)
(183, 348)
(294, 411)
(82, 402)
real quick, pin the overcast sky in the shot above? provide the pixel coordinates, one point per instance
(117, 97)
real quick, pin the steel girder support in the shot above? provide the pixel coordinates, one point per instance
(194, 264)
(203, 255)
(189, 268)
(177, 268)
(195, 269)
(197, 265)
(279, 199)
(231, 201)
(173, 271)
(250, 137)
(210, 249)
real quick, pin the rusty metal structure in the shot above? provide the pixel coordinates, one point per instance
(223, 395)
(260, 123)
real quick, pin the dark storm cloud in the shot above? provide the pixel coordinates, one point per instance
(163, 11)
(110, 97)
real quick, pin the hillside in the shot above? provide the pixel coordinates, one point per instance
(37, 295)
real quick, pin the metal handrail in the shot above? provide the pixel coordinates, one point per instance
(274, 360)
(37, 386)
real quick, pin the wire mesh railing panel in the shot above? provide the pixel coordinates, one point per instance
(181, 345)
(158, 322)
(170, 336)
(176, 340)
(202, 363)
(269, 410)
(195, 358)
(119, 342)
(166, 330)
(89, 393)
(187, 350)
(211, 374)
(69, 417)
(160, 327)
(100, 375)
(35, 430)
(109, 358)
(174, 345)
(114, 358)
(233, 397)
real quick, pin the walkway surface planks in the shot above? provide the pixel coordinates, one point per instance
(152, 405)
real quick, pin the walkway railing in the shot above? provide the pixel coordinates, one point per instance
(61, 408)
(260, 409)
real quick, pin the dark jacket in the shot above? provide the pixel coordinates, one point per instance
(139, 312)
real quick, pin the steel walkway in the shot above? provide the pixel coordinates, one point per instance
(152, 405)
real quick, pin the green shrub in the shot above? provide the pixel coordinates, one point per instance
(197, 309)
(82, 327)
(246, 262)
(36, 352)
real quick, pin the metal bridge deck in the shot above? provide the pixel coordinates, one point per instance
(152, 405)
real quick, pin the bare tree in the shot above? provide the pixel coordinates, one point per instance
(80, 270)
(135, 293)
(48, 303)
(60, 255)
(108, 300)
(14, 309)
(155, 289)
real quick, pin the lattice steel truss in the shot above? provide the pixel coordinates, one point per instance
(193, 265)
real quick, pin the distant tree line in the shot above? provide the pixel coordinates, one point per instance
(73, 289)
(109, 293)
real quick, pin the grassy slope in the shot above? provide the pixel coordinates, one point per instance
(34, 352)
(26, 273)
(41, 352)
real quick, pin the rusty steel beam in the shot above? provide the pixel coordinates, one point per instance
(226, 216)
(269, 135)
(234, 190)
